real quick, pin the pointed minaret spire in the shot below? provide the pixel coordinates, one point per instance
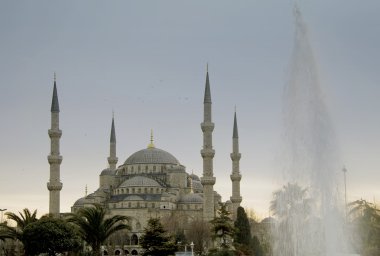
(54, 185)
(207, 98)
(235, 134)
(54, 101)
(151, 144)
(207, 152)
(112, 159)
(235, 176)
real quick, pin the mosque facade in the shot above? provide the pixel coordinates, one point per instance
(151, 182)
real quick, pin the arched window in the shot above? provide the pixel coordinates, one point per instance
(146, 167)
(151, 190)
(126, 252)
(117, 252)
(134, 252)
(134, 241)
(133, 190)
(154, 168)
(105, 252)
(139, 168)
(139, 191)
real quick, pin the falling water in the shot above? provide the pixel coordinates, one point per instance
(310, 161)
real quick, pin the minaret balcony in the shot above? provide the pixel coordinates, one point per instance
(53, 186)
(208, 180)
(235, 156)
(207, 126)
(112, 160)
(55, 133)
(235, 177)
(236, 199)
(208, 153)
(54, 159)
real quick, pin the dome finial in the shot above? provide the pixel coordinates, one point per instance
(151, 145)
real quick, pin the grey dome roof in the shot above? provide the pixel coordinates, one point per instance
(197, 185)
(191, 198)
(107, 172)
(194, 177)
(139, 181)
(151, 156)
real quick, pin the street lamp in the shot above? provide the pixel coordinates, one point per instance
(2, 212)
(192, 248)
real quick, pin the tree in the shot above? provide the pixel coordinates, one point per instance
(222, 228)
(24, 218)
(291, 207)
(95, 227)
(5, 232)
(256, 247)
(156, 241)
(199, 233)
(243, 237)
(49, 235)
(366, 220)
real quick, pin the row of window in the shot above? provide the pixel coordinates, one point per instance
(122, 191)
(153, 205)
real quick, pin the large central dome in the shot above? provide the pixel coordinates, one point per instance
(152, 156)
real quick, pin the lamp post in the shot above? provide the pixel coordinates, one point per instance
(2, 214)
(345, 191)
(192, 248)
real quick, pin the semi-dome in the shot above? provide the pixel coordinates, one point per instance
(191, 198)
(139, 181)
(152, 155)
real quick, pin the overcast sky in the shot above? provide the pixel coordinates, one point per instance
(146, 60)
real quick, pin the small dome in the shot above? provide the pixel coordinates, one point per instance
(107, 172)
(197, 185)
(139, 181)
(152, 156)
(194, 177)
(191, 198)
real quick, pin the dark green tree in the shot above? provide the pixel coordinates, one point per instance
(222, 227)
(95, 227)
(243, 238)
(22, 220)
(156, 241)
(51, 236)
(5, 232)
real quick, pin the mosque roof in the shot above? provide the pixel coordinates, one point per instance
(140, 181)
(191, 198)
(152, 155)
(107, 171)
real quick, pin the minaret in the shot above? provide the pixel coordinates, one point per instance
(207, 153)
(112, 159)
(54, 185)
(235, 176)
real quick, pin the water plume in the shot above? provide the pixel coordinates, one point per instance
(308, 209)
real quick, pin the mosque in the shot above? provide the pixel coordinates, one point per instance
(151, 182)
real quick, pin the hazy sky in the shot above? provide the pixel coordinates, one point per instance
(146, 60)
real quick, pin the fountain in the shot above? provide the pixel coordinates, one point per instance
(309, 209)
